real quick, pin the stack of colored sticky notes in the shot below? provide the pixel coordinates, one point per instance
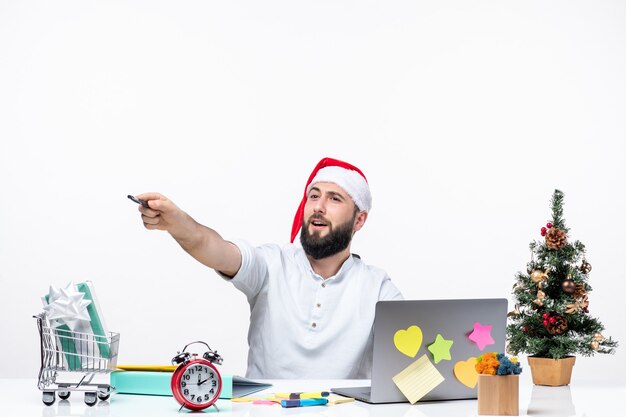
(305, 399)
(302, 399)
(303, 402)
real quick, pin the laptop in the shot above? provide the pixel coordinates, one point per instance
(454, 320)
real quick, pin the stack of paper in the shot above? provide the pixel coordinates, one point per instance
(156, 380)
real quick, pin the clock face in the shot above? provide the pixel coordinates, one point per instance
(200, 384)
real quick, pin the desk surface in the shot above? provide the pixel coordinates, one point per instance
(20, 397)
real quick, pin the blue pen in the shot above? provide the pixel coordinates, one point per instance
(304, 402)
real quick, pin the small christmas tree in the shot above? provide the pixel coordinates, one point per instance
(551, 316)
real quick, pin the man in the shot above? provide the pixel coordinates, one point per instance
(312, 307)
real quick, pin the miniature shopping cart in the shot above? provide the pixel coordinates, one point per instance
(76, 356)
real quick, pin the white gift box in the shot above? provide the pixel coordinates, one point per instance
(78, 326)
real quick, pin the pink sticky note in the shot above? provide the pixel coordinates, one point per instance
(481, 335)
(264, 402)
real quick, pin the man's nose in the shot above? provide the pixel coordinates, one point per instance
(319, 206)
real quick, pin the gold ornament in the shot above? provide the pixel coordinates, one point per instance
(540, 297)
(595, 342)
(585, 267)
(539, 277)
(580, 291)
(579, 305)
(585, 304)
(574, 307)
(555, 238)
(568, 286)
(515, 312)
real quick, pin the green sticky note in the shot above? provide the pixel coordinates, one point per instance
(440, 348)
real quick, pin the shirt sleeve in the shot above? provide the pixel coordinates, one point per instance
(252, 275)
(388, 291)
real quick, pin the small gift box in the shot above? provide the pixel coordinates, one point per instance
(77, 324)
(498, 385)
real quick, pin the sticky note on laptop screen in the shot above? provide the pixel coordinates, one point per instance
(418, 379)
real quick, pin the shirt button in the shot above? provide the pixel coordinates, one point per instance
(314, 325)
(323, 285)
(318, 305)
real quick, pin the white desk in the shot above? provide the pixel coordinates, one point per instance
(20, 397)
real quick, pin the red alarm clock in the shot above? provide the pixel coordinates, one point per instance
(196, 383)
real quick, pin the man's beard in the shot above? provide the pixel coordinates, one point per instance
(337, 239)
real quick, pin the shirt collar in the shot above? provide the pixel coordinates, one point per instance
(343, 271)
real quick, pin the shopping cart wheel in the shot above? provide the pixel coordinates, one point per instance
(104, 392)
(90, 398)
(104, 396)
(48, 397)
(64, 395)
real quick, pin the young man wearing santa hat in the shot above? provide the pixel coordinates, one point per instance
(312, 307)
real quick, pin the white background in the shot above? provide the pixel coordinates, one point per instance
(464, 115)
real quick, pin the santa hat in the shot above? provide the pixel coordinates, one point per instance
(347, 176)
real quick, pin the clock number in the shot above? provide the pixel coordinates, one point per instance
(199, 399)
(186, 392)
(193, 396)
(211, 375)
(186, 377)
(214, 382)
(183, 384)
(212, 391)
(199, 368)
(206, 397)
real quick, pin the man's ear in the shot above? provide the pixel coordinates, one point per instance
(361, 217)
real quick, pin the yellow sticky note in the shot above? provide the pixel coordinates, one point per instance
(338, 399)
(408, 341)
(418, 379)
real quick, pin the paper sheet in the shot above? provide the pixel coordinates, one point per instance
(418, 379)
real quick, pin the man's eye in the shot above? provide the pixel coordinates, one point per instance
(336, 199)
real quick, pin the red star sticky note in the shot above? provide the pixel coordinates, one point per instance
(481, 335)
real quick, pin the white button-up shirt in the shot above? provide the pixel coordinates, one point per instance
(304, 326)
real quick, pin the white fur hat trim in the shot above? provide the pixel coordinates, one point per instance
(351, 181)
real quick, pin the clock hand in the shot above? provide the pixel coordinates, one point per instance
(202, 382)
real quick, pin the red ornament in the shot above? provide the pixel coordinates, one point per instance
(551, 320)
(543, 231)
(545, 316)
(545, 322)
(524, 329)
(549, 225)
